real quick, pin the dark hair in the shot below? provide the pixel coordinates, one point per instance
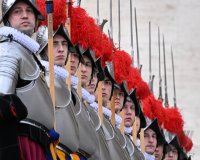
(168, 148)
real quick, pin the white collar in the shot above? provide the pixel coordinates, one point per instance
(59, 72)
(128, 130)
(95, 106)
(149, 156)
(74, 81)
(118, 119)
(138, 143)
(21, 38)
(87, 96)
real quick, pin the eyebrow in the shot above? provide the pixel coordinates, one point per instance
(88, 61)
(59, 41)
(19, 7)
(154, 134)
(132, 106)
(107, 80)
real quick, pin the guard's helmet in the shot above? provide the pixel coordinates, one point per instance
(42, 38)
(8, 4)
(109, 72)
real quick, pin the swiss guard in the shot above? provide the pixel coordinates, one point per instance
(29, 121)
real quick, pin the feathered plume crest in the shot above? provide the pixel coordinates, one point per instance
(173, 121)
(59, 12)
(185, 141)
(86, 31)
(122, 64)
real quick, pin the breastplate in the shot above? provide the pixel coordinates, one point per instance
(88, 138)
(66, 123)
(130, 147)
(114, 146)
(103, 146)
(108, 129)
(76, 101)
(121, 138)
(138, 154)
(94, 117)
(38, 101)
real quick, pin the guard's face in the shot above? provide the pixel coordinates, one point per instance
(22, 18)
(60, 49)
(92, 86)
(86, 71)
(119, 99)
(158, 152)
(150, 141)
(172, 154)
(74, 62)
(129, 113)
(106, 91)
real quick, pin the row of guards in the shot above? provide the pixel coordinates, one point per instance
(71, 94)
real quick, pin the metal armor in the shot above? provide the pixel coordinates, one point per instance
(66, 123)
(122, 141)
(134, 152)
(103, 146)
(94, 117)
(138, 154)
(115, 149)
(130, 147)
(108, 129)
(17, 65)
(88, 138)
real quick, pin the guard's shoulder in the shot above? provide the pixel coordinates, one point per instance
(10, 48)
(15, 53)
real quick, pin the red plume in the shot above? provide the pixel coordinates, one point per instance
(59, 12)
(188, 144)
(122, 63)
(143, 90)
(88, 34)
(135, 81)
(153, 109)
(185, 141)
(147, 106)
(106, 49)
(173, 120)
(158, 110)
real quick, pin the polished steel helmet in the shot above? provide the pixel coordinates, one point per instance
(42, 38)
(8, 4)
(109, 72)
